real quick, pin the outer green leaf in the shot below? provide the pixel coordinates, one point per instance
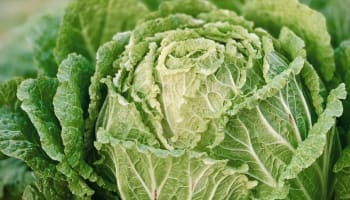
(69, 103)
(271, 89)
(295, 46)
(147, 173)
(313, 146)
(18, 138)
(17, 135)
(76, 184)
(87, 24)
(36, 96)
(291, 43)
(305, 22)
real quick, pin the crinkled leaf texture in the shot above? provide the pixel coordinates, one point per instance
(45, 126)
(37, 101)
(36, 139)
(68, 103)
(36, 96)
(304, 21)
(18, 137)
(85, 27)
(147, 173)
(195, 78)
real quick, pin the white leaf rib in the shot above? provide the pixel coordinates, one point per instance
(306, 107)
(160, 188)
(273, 132)
(137, 174)
(152, 176)
(271, 181)
(212, 195)
(293, 123)
(197, 179)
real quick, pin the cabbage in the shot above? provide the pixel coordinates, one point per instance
(188, 101)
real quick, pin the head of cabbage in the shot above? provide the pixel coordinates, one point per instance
(196, 86)
(190, 102)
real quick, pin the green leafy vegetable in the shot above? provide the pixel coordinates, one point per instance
(182, 99)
